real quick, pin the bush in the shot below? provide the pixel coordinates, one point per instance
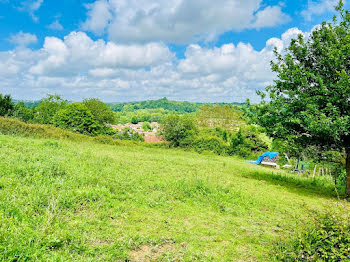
(210, 143)
(78, 118)
(10, 126)
(328, 239)
(146, 126)
(177, 128)
(246, 143)
(23, 112)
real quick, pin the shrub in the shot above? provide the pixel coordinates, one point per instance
(328, 239)
(177, 128)
(10, 126)
(146, 126)
(210, 143)
(246, 143)
(77, 117)
(23, 112)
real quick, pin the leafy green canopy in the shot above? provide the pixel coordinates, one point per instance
(102, 113)
(310, 99)
(48, 107)
(77, 117)
(6, 105)
(177, 128)
(23, 112)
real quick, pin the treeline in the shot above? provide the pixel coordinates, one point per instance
(155, 110)
(90, 117)
(180, 107)
(141, 115)
(164, 103)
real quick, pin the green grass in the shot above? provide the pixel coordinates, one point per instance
(62, 200)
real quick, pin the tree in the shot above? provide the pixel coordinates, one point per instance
(310, 99)
(146, 126)
(177, 128)
(47, 108)
(77, 117)
(22, 112)
(102, 112)
(6, 105)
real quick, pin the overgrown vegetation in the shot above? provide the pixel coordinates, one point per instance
(15, 127)
(325, 239)
(83, 201)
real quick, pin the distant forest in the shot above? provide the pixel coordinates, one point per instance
(163, 103)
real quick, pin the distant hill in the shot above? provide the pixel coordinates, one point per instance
(164, 103)
(28, 103)
(176, 106)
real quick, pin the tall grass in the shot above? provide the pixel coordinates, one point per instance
(9, 126)
(65, 200)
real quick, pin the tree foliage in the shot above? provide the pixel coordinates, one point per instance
(309, 102)
(77, 117)
(23, 112)
(6, 105)
(102, 113)
(176, 128)
(47, 108)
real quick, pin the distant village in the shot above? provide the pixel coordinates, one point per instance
(151, 134)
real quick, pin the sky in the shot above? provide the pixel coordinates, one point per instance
(134, 50)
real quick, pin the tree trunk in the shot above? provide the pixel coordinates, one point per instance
(347, 166)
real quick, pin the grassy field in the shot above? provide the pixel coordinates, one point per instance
(84, 201)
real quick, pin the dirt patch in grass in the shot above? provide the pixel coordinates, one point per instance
(149, 253)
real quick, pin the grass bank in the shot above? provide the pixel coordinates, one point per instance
(65, 200)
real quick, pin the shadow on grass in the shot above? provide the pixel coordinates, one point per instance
(299, 184)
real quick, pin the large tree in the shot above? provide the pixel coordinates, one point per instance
(309, 102)
(102, 112)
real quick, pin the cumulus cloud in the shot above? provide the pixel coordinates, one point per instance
(177, 21)
(23, 39)
(77, 53)
(318, 8)
(78, 67)
(99, 15)
(270, 16)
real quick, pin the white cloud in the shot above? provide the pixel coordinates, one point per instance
(55, 26)
(318, 8)
(99, 15)
(23, 39)
(77, 53)
(31, 6)
(177, 21)
(79, 67)
(270, 16)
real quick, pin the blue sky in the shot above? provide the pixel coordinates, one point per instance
(119, 50)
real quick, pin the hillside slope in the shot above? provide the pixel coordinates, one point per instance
(64, 200)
